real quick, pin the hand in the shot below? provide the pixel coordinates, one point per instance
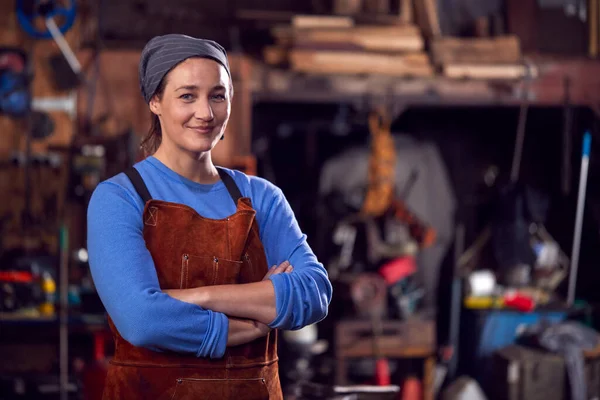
(284, 267)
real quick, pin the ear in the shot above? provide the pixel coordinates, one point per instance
(154, 106)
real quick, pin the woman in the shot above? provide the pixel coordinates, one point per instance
(179, 249)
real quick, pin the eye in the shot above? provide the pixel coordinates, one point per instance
(218, 97)
(187, 96)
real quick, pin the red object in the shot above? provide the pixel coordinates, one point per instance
(412, 389)
(398, 269)
(519, 302)
(94, 375)
(382, 372)
(16, 276)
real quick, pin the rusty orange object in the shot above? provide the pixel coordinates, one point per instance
(382, 166)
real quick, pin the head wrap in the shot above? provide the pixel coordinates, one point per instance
(162, 53)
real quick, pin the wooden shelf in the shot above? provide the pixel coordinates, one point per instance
(547, 89)
(89, 323)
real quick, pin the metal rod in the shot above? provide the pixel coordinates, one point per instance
(459, 248)
(63, 46)
(63, 314)
(585, 160)
(566, 150)
(28, 215)
(518, 153)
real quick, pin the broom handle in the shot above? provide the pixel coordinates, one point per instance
(585, 161)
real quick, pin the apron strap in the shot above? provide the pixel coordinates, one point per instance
(140, 187)
(230, 184)
(138, 183)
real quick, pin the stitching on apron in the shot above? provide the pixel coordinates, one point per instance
(152, 219)
(216, 270)
(187, 272)
(228, 239)
(184, 269)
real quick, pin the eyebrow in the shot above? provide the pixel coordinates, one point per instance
(195, 87)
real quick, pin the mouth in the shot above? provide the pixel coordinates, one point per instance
(202, 129)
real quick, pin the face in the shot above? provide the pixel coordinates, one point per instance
(194, 107)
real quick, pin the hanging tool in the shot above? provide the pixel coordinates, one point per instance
(382, 165)
(585, 160)
(381, 196)
(28, 11)
(15, 79)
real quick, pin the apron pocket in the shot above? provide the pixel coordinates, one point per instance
(198, 271)
(234, 389)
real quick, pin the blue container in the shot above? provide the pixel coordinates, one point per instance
(485, 331)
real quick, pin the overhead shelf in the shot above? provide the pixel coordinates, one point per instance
(579, 80)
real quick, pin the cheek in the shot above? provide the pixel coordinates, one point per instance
(180, 113)
(222, 110)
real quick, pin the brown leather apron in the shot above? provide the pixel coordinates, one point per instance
(192, 251)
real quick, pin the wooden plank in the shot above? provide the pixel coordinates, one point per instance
(321, 21)
(413, 338)
(427, 17)
(347, 62)
(406, 11)
(505, 49)
(492, 72)
(376, 38)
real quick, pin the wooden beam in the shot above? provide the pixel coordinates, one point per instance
(376, 38)
(504, 50)
(426, 13)
(321, 21)
(347, 62)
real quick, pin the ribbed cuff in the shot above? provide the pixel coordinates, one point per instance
(283, 287)
(215, 339)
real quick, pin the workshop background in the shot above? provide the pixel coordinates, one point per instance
(441, 155)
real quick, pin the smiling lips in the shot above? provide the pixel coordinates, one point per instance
(202, 129)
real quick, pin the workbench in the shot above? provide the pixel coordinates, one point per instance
(400, 340)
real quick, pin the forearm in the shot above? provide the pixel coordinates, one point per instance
(251, 300)
(254, 301)
(242, 331)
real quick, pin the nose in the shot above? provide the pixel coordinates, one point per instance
(203, 111)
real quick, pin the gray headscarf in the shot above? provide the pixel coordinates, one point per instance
(162, 53)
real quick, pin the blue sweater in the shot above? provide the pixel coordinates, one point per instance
(125, 276)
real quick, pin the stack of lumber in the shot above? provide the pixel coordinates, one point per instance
(336, 45)
(479, 58)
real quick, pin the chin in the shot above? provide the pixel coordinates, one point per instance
(201, 146)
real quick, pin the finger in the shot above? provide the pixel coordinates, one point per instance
(289, 269)
(270, 271)
(281, 267)
(284, 265)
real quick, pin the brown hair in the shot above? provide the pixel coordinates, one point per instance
(153, 138)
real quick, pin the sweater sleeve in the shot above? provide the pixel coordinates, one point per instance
(302, 296)
(125, 278)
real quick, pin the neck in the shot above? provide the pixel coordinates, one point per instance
(195, 167)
